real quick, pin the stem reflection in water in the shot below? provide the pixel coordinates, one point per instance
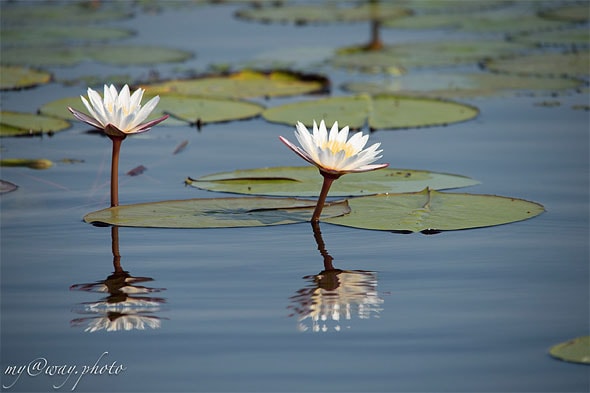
(334, 297)
(126, 307)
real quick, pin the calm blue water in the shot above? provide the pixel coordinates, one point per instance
(471, 310)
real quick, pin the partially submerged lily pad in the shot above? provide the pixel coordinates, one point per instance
(182, 109)
(422, 54)
(575, 351)
(431, 211)
(245, 84)
(451, 85)
(33, 163)
(306, 181)
(214, 213)
(21, 77)
(109, 54)
(379, 112)
(572, 64)
(18, 123)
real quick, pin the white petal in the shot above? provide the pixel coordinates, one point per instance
(333, 132)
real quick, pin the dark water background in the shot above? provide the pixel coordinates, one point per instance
(472, 310)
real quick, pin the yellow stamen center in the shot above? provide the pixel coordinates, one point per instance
(337, 146)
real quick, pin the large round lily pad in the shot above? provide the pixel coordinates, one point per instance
(572, 64)
(422, 54)
(183, 109)
(109, 54)
(306, 181)
(18, 123)
(325, 13)
(20, 77)
(61, 34)
(245, 84)
(575, 351)
(455, 85)
(214, 213)
(379, 112)
(430, 210)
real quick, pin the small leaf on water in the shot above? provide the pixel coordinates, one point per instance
(138, 170)
(214, 213)
(430, 211)
(36, 163)
(575, 351)
(180, 147)
(306, 182)
(6, 186)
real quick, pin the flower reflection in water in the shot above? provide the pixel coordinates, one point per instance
(127, 306)
(334, 297)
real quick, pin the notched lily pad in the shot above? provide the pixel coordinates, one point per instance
(307, 182)
(447, 85)
(214, 213)
(379, 112)
(330, 12)
(570, 65)
(22, 124)
(122, 55)
(432, 211)
(12, 78)
(245, 84)
(183, 110)
(422, 54)
(575, 351)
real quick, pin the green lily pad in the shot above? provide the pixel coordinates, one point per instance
(570, 38)
(183, 109)
(451, 85)
(573, 64)
(25, 15)
(20, 77)
(575, 351)
(214, 213)
(571, 13)
(451, 6)
(306, 181)
(34, 163)
(245, 84)
(422, 54)
(506, 21)
(62, 34)
(18, 123)
(325, 13)
(431, 211)
(109, 54)
(379, 112)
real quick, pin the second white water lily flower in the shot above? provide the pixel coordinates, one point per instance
(118, 113)
(332, 153)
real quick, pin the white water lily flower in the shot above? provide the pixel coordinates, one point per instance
(332, 153)
(118, 113)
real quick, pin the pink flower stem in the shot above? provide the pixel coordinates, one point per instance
(328, 180)
(117, 140)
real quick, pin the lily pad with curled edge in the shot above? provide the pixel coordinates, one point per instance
(570, 65)
(379, 112)
(432, 211)
(450, 85)
(575, 351)
(306, 181)
(20, 77)
(214, 213)
(18, 123)
(422, 54)
(325, 13)
(110, 54)
(182, 109)
(245, 84)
